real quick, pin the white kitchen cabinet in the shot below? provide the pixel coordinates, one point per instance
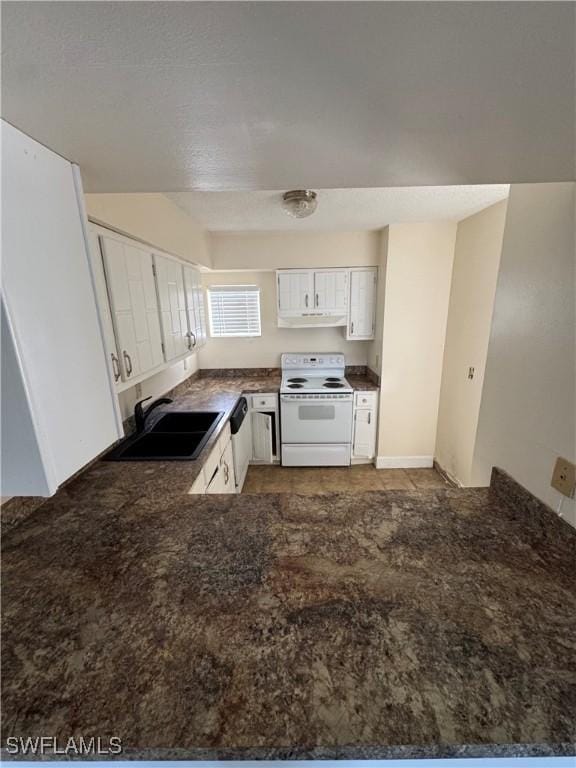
(134, 305)
(58, 399)
(217, 474)
(172, 303)
(331, 290)
(103, 303)
(362, 305)
(365, 422)
(295, 291)
(265, 425)
(312, 297)
(195, 308)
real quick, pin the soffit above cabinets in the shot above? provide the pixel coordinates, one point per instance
(339, 210)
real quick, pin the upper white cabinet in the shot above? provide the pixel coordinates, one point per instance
(58, 402)
(134, 305)
(103, 303)
(362, 311)
(151, 306)
(295, 291)
(312, 297)
(327, 298)
(196, 312)
(331, 291)
(172, 300)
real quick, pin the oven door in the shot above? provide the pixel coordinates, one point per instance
(316, 421)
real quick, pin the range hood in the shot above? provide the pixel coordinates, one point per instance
(312, 320)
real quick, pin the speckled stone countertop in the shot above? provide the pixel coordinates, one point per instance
(381, 624)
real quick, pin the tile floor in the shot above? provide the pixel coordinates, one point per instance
(362, 477)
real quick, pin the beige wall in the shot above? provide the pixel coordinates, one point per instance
(156, 220)
(418, 274)
(158, 384)
(375, 348)
(277, 250)
(476, 262)
(264, 351)
(527, 414)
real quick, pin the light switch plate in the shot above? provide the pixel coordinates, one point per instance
(564, 477)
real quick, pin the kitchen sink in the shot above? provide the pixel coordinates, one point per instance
(164, 445)
(176, 436)
(187, 421)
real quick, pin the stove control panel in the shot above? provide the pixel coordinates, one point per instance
(291, 361)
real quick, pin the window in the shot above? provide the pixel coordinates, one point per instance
(234, 310)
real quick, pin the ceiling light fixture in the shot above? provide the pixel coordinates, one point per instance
(299, 203)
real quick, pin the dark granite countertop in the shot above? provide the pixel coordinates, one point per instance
(381, 624)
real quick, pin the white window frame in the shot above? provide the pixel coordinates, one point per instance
(244, 288)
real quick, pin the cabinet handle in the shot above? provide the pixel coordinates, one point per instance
(226, 473)
(194, 337)
(128, 363)
(306, 301)
(369, 417)
(316, 300)
(115, 366)
(352, 327)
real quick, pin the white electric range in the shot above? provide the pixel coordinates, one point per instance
(315, 410)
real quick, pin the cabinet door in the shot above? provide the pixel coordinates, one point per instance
(331, 290)
(364, 443)
(173, 315)
(57, 405)
(227, 469)
(217, 483)
(262, 438)
(362, 304)
(104, 304)
(194, 308)
(134, 306)
(295, 291)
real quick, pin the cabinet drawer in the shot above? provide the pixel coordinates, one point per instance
(264, 401)
(365, 399)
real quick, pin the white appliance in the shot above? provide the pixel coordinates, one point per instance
(315, 410)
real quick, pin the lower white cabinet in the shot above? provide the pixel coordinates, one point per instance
(265, 417)
(217, 475)
(223, 479)
(365, 422)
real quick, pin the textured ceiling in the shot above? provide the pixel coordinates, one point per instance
(169, 96)
(344, 210)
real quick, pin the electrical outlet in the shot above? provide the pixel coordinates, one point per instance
(138, 390)
(564, 477)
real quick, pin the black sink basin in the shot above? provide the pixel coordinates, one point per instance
(176, 436)
(186, 421)
(152, 445)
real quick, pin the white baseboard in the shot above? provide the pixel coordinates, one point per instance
(404, 462)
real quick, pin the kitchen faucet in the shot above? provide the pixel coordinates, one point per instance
(140, 415)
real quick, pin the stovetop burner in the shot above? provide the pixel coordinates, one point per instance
(333, 385)
(297, 381)
(333, 378)
(295, 386)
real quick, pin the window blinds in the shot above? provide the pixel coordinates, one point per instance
(234, 310)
